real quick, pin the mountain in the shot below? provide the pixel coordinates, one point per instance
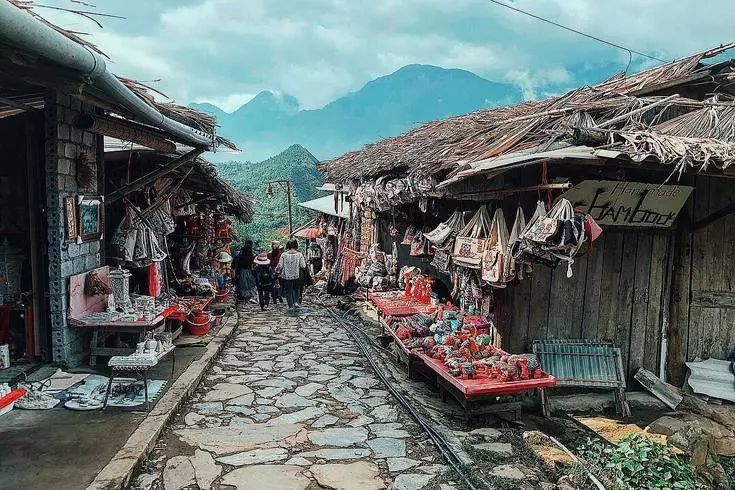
(295, 164)
(386, 106)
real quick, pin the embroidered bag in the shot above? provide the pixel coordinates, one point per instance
(470, 244)
(494, 258)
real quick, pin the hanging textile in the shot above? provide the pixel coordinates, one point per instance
(494, 258)
(470, 243)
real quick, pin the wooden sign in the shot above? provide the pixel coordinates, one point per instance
(629, 203)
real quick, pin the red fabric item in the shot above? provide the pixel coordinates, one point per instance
(155, 280)
(275, 257)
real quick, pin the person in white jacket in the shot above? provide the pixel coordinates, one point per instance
(289, 269)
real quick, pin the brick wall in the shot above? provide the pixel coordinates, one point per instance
(63, 144)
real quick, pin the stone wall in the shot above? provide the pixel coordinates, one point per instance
(63, 144)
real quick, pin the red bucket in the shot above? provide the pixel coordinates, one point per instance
(222, 296)
(198, 323)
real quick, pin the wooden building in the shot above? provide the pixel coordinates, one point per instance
(659, 284)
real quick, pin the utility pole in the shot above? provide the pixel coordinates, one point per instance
(287, 187)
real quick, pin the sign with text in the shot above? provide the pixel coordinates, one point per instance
(629, 203)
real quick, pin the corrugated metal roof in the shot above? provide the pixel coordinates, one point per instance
(326, 205)
(587, 363)
(712, 377)
(506, 162)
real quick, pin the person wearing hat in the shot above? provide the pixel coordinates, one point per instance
(275, 257)
(265, 278)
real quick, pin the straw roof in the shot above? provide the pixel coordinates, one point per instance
(620, 106)
(185, 115)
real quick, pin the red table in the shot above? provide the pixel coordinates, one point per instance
(469, 391)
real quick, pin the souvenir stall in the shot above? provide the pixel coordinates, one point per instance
(169, 248)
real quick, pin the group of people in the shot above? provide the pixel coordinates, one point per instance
(272, 276)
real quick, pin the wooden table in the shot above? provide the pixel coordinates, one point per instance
(101, 331)
(470, 392)
(140, 371)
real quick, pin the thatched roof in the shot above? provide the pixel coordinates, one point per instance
(198, 177)
(443, 147)
(185, 115)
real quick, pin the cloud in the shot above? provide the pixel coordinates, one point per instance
(224, 50)
(229, 103)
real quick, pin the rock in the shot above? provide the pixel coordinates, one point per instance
(298, 461)
(178, 474)
(205, 470)
(226, 391)
(345, 394)
(337, 454)
(261, 417)
(267, 409)
(145, 481)
(239, 410)
(322, 377)
(296, 374)
(264, 401)
(270, 392)
(309, 389)
(240, 421)
(193, 418)
(361, 421)
(212, 408)
(508, 471)
(362, 475)
(276, 383)
(487, 433)
(694, 442)
(325, 421)
(411, 481)
(300, 416)
(242, 401)
(501, 449)
(226, 440)
(546, 486)
(257, 456)
(725, 446)
(373, 402)
(292, 400)
(394, 430)
(364, 382)
(447, 486)
(666, 425)
(384, 447)
(401, 464)
(385, 413)
(267, 477)
(341, 437)
(434, 469)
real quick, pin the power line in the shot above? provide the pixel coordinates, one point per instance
(577, 32)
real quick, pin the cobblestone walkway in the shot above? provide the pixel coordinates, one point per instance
(292, 404)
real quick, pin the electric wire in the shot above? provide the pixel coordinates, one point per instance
(452, 458)
(590, 36)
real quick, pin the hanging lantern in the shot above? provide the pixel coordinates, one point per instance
(120, 284)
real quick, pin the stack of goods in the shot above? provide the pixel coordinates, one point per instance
(469, 356)
(377, 270)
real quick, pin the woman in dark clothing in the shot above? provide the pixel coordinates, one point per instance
(265, 278)
(246, 281)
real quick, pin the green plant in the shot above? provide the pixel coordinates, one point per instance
(637, 462)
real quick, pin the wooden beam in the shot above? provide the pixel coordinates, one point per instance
(16, 104)
(124, 130)
(152, 176)
(722, 213)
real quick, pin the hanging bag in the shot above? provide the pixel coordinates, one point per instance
(441, 233)
(408, 236)
(494, 257)
(470, 242)
(417, 245)
(513, 268)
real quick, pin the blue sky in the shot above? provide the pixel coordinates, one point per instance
(226, 51)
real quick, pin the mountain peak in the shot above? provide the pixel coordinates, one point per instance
(271, 102)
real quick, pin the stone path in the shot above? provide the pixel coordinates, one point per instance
(292, 404)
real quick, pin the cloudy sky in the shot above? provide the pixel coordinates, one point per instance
(226, 51)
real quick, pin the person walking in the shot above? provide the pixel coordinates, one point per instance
(265, 278)
(290, 265)
(275, 257)
(246, 282)
(314, 255)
